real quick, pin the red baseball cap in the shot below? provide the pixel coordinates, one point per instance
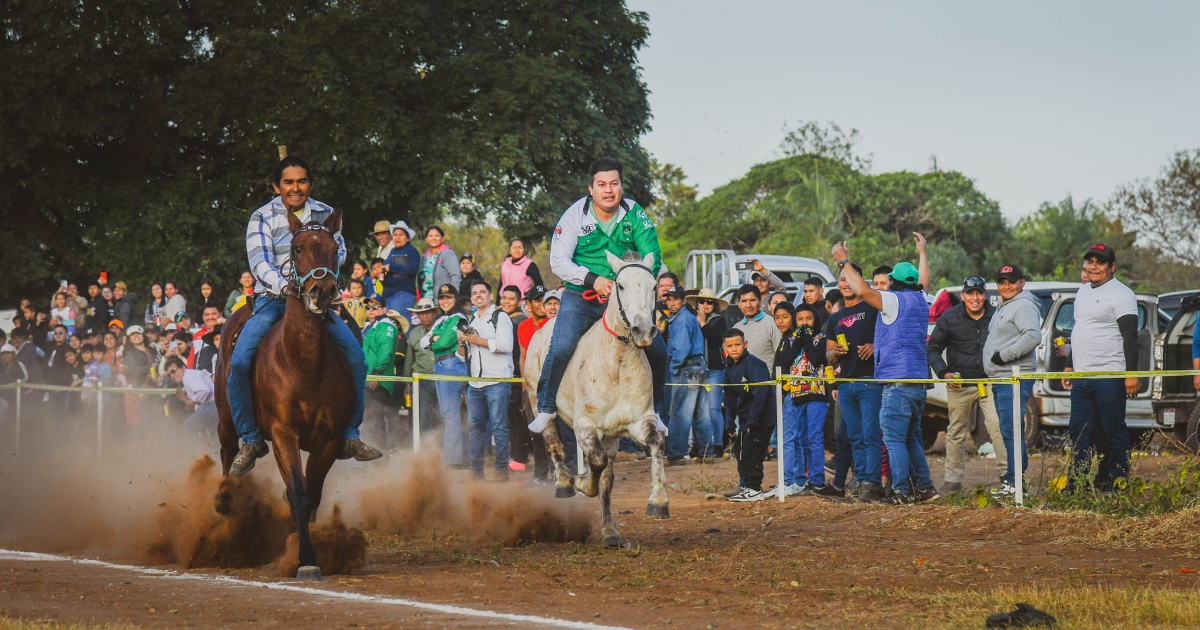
(1102, 252)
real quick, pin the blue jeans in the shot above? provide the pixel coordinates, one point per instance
(487, 412)
(1004, 411)
(450, 395)
(575, 316)
(688, 414)
(716, 418)
(203, 419)
(900, 419)
(804, 442)
(861, 403)
(400, 302)
(267, 311)
(1098, 425)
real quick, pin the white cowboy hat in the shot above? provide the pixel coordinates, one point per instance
(424, 304)
(402, 225)
(707, 294)
(401, 320)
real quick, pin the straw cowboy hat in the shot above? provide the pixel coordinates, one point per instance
(382, 227)
(707, 294)
(400, 320)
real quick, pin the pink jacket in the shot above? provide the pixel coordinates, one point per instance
(516, 273)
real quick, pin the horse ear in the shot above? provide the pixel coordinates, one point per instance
(613, 261)
(294, 223)
(648, 260)
(334, 222)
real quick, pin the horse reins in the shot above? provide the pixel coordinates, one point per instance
(593, 295)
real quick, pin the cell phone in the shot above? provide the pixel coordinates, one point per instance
(62, 283)
(744, 266)
(103, 277)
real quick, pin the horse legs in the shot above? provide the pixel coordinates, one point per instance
(608, 526)
(228, 437)
(646, 432)
(287, 456)
(315, 472)
(595, 457)
(562, 481)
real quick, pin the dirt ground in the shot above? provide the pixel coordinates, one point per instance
(809, 562)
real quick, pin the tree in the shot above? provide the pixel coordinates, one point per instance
(828, 140)
(669, 189)
(1049, 244)
(1165, 213)
(137, 136)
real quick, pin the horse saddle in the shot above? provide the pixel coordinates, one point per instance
(233, 326)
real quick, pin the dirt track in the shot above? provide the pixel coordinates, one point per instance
(806, 562)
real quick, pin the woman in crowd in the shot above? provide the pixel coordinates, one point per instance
(470, 275)
(63, 313)
(442, 340)
(135, 368)
(519, 270)
(400, 270)
(439, 265)
(154, 310)
(109, 353)
(207, 297)
(245, 288)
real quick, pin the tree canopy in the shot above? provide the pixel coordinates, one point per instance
(137, 136)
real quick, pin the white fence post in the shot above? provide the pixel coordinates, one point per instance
(1018, 436)
(416, 412)
(17, 441)
(99, 419)
(779, 450)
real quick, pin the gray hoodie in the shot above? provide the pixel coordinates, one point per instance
(1015, 332)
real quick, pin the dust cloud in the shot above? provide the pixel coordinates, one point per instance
(151, 497)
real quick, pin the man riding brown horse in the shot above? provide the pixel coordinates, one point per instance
(268, 245)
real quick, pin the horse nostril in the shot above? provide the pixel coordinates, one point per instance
(636, 330)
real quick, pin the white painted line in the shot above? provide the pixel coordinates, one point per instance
(29, 556)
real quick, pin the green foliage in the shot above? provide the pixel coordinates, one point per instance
(1130, 497)
(137, 136)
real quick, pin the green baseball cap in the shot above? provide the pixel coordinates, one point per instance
(905, 272)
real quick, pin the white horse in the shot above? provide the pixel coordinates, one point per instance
(607, 393)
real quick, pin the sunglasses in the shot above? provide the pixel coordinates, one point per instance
(707, 302)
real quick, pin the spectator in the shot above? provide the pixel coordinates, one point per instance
(766, 282)
(135, 367)
(713, 326)
(1104, 339)
(525, 332)
(814, 293)
(54, 355)
(97, 315)
(375, 279)
(383, 237)
(749, 413)
(183, 323)
(96, 373)
(359, 270)
(439, 265)
(470, 275)
(12, 371)
(28, 354)
(776, 298)
(63, 313)
(686, 370)
(519, 270)
(354, 302)
(206, 361)
(551, 302)
(489, 342)
(962, 333)
(419, 360)
(208, 297)
(805, 409)
(901, 354)
(176, 303)
(881, 279)
(379, 342)
(211, 318)
(759, 331)
(195, 390)
(859, 402)
(237, 297)
(443, 341)
(154, 309)
(400, 270)
(520, 438)
(78, 302)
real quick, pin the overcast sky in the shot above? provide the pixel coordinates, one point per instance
(1034, 101)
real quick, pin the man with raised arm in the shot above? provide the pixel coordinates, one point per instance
(603, 222)
(269, 246)
(900, 354)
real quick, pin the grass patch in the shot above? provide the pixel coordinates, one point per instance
(7, 623)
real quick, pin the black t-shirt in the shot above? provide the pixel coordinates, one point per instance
(858, 324)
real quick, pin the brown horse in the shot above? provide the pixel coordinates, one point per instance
(303, 388)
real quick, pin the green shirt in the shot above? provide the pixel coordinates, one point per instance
(444, 336)
(379, 343)
(580, 242)
(418, 360)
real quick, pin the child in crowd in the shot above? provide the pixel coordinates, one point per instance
(810, 404)
(374, 284)
(353, 302)
(749, 413)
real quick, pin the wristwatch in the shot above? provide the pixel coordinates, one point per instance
(843, 263)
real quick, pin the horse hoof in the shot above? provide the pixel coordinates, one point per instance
(658, 511)
(224, 503)
(615, 542)
(564, 492)
(309, 574)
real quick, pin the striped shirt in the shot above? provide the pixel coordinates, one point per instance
(269, 242)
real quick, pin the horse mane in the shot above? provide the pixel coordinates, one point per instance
(631, 256)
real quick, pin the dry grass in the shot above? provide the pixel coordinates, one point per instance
(1178, 529)
(7, 623)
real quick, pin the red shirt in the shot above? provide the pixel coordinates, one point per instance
(526, 331)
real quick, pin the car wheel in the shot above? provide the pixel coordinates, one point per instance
(1180, 432)
(1033, 427)
(1192, 443)
(929, 437)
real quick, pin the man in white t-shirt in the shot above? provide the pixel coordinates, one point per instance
(1104, 340)
(195, 389)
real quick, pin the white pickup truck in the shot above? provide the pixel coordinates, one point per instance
(724, 271)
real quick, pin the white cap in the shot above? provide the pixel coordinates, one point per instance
(552, 295)
(170, 326)
(133, 329)
(8, 347)
(401, 224)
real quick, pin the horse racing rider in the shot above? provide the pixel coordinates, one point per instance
(604, 221)
(268, 245)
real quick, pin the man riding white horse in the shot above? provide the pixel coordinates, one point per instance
(268, 245)
(604, 222)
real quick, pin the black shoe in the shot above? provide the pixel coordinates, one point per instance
(869, 492)
(898, 499)
(831, 466)
(359, 451)
(921, 496)
(829, 491)
(247, 455)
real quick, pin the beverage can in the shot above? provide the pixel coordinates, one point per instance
(1060, 341)
(841, 339)
(829, 373)
(983, 392)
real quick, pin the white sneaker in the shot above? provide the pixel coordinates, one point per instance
(1004, 492)
(748, 495)
(540, 422)
(794, 490)
(662, 428)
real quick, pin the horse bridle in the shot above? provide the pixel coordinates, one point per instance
(620, 305)
(294, 278)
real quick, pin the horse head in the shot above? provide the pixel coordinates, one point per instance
(315, 261)
(631, 304)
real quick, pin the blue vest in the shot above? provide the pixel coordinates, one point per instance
(900, 346)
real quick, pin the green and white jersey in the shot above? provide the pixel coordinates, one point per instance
(577, 249)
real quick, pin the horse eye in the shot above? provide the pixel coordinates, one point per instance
(619, 287)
